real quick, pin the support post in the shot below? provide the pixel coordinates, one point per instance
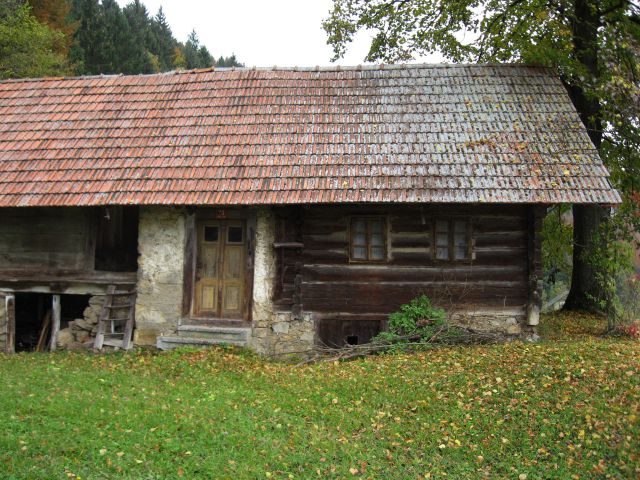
(55, 322)
(10, 309)
(534, 264)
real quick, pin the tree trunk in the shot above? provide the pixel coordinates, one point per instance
(586, 218)
(584, 293)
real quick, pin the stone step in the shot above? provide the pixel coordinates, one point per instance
(238, 334)
(170, 342)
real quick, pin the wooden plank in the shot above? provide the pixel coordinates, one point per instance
(44, 330)
(10, 304)
(534, 257)
(55, 322)
(189, 265)
(104, 317)
(52, 237)
(128, 328)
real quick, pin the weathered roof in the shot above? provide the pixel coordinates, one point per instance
(416, 133)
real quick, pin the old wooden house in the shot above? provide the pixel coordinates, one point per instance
(278, 208)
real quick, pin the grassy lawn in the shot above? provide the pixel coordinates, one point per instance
(565, 408)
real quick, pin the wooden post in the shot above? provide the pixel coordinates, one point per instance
(297, 292)
(55, 322)
(10, 304)
(534, 265)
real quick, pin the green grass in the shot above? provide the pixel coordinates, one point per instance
(564, 408)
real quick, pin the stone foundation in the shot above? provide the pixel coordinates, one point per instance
(509, 324)
(274, 333)
(161, 246)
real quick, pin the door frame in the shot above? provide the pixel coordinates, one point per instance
(194, 217)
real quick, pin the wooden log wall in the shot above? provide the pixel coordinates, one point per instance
(46, 239)
(338, 290)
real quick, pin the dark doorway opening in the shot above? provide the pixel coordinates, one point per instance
(33, 318)
(339, 332)
(117, 239)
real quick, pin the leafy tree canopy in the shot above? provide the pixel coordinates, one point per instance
(28, 48)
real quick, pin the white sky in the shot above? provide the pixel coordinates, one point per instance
(263, 33)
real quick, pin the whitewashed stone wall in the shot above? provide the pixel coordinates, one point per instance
(273, 332)
(161, 247)
(510, 324)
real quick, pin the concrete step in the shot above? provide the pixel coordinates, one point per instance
(229, 334)
(167, 342)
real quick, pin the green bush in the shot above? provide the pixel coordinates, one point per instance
(416, 321)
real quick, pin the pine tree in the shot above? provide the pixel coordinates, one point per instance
(88, 50)
(162, 44)
(138, 59)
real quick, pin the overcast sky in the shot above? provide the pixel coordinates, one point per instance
(261, 33)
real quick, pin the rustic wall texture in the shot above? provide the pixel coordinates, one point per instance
(3, 324)
(161, 246)
(274, 332)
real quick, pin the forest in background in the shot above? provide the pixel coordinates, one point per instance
(90, 37)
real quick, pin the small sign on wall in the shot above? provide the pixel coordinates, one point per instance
(221, 214)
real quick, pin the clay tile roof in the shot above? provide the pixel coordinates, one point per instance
(413, 133)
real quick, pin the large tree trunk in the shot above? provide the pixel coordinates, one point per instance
(583, 294)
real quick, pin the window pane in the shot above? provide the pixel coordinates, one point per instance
(461, 253)
(359, 253)
(442, 226)
(359, 238)
(358, 225)
(234, 235)
(210, 234)
(376, 226)
(442, 240)
(377, 239)
(460, 226)
(377, 253)
(460, 239)
(442, 253)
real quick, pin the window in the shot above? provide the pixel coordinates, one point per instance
(368, 239)
(210, 234)
(452, 239)
(234, 235)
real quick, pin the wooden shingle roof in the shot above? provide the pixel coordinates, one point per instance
(416, 133)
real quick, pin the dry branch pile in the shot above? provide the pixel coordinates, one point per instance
(446, 335)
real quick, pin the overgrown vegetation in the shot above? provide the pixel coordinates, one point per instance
(416, 321)
(558, 409)
(557, 251)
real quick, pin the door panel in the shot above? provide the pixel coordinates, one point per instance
(220, 269)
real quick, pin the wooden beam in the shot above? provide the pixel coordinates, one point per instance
(534, 264)
(55, 322)
(189, 265)
(10, 304)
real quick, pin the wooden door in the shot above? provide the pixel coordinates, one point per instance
(220, 269)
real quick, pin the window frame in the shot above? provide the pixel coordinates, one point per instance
(385, 239)
(451, 239)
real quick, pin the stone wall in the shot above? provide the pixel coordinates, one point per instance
(3, 324)
(510, 324)
(273, 332)
(161, 247)
(81, 332)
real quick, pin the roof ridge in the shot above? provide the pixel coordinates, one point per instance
(275, 68)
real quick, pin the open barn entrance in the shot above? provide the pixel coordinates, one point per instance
(117, 239)
(34, 314)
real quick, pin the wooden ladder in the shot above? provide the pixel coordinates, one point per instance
(114, 314)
